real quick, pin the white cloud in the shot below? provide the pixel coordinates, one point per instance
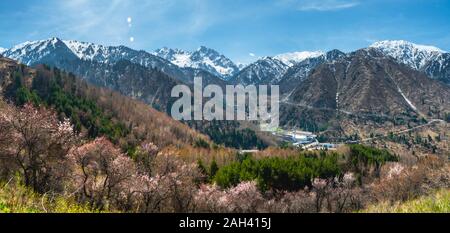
(103, 20)
(320, 5)
(251, 54)
(83, 18)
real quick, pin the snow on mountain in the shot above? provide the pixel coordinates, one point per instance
(41, 51)
(31, 46)
(413, 55)
(183, 65)
(266, 70)
(88, 51)
(59, 53)
(291, 59)
(178, 57)
(241, 66)
(110, 54)
(203, 58)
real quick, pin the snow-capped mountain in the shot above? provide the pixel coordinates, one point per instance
(2, 50)
(112, 54)
(270, 70)
(59, 53)
(364, 81)
(429, 59)
(285, 69)
(39, 52)
(93, 52)
(203, 58)
(291, 59)
(414, 55)
(176, 56)
(267, 70)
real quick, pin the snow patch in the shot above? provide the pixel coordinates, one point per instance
(406, 99)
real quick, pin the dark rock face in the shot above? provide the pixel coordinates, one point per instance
(299, 72)
(440, 68)
(262, 72)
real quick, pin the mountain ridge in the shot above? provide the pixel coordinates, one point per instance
(429, 59)
(286, 69)
(293, 58)
(202, 58)
(365, 86)
(266, 70)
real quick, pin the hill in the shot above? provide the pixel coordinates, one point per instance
(364, 88)
(93, 110)
(439, 202)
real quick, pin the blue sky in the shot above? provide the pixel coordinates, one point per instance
(236, 28)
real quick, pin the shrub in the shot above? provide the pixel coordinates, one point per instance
(439, 202)
(17, 198)
(292, 173)
(363, 158)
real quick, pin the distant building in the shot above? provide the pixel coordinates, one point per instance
(300, 137)
(248, 151)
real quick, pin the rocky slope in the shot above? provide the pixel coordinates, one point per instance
(267, 70)
(366, 84)
(299, 72)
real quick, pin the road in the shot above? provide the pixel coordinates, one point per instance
(334, 110)
(399, 132)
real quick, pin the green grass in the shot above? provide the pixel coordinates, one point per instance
(439, 202)
(16, 198)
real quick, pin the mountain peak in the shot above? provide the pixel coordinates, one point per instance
(85, 50)
(36, 44)
(39, 50)
(334, 54)
(203, 58)
(403, 44)
(204, 51)
(413, 55)
(266, 70)
(168, 53)
(293, 58)
(202, 47)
